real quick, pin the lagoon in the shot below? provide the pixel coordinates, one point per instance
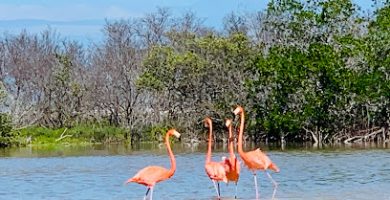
(99, 171)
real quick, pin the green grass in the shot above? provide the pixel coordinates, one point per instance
(80, 134)
(83, 134)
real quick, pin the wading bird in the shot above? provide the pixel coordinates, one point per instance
(254, 160)
(151, 175)
(233, 173)
(215, 170)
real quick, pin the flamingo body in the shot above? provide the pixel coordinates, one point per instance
(233, 174)
(258, 160)
(151, 175)
(216, 171)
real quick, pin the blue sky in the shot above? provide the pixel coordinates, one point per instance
(84, 19)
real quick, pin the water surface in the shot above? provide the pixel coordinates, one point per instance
(98, 172)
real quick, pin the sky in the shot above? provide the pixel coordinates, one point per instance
(84, 19)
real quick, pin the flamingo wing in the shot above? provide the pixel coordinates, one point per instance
(267, 161)
(258, 160)
(150, 175)
(255, 160)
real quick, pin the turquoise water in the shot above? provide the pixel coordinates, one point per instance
(98, 172)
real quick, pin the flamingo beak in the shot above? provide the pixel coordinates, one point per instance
(176, 134)
(237, 110)
(228, 122)
(207, 121)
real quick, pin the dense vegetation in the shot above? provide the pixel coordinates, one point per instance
(316, 70)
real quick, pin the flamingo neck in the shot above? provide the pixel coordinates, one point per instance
(231, 141)
(241, 132)
(208, 156)
(171, 156)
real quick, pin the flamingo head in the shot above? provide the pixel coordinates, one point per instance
(228, 122)
(174, 132)
(238, 110)
(207, 122)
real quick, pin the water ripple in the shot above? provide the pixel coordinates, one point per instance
(363, 174)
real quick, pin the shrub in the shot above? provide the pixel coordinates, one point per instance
(7, 136)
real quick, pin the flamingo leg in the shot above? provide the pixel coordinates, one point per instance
(215, 186)
(147, 192)
(235, 194)
(219, 190)
(274, 183)
(151, 194)
(257, 192)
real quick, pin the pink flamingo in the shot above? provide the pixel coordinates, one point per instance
(151, 175)
(233, 173)
(215, 170)
(254, 160)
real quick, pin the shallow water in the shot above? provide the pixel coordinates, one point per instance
(98, 172)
